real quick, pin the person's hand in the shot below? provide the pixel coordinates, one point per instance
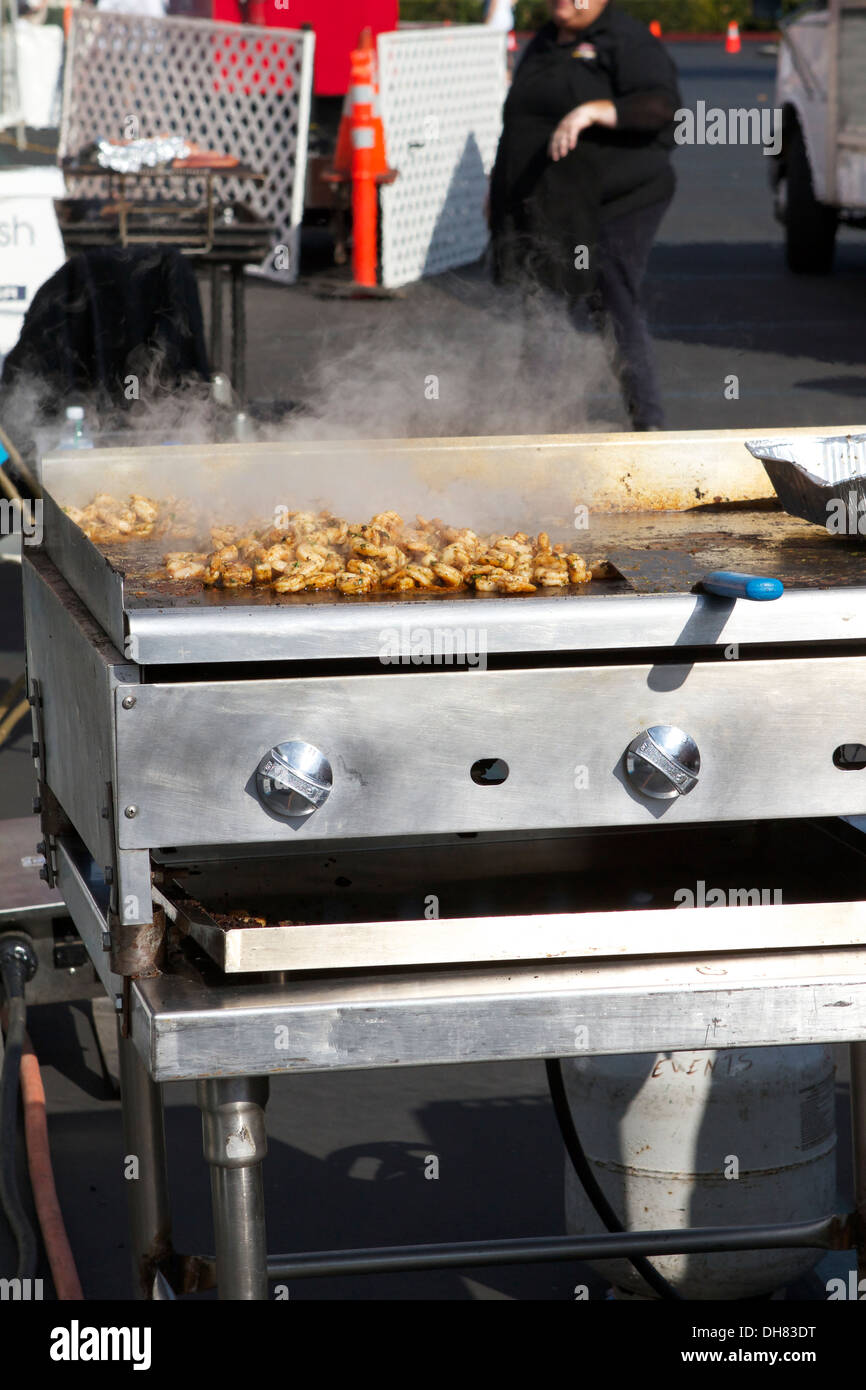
(567, 133)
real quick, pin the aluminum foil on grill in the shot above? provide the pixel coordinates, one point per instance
(821, 478)
(141, 154)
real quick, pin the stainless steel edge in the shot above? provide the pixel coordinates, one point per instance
(90, 921)
(86, 570)
(535, 624)
(184, 1030)
(134, 887)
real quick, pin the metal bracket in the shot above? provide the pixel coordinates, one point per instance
(53, 819)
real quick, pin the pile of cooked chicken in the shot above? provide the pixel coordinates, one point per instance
(312, 551)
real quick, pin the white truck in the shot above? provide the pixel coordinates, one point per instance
(819, 175)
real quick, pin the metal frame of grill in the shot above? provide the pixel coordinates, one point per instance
(151, 715)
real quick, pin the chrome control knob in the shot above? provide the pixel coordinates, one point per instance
(294, 779)
(663, 762)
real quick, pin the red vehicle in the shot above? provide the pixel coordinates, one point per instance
(337, 25)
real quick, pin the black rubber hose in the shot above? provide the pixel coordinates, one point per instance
(14, 976)
(589, 1183)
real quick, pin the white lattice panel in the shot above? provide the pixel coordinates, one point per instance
(11, 112)
(239, 89)
(441, 93)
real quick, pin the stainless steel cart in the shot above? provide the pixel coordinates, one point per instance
(482, 776)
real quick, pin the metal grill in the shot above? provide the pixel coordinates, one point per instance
(204, 794)
(441, 99)
(243, 90)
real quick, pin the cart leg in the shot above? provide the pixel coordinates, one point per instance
(857, 1056)
(147, 1193)
(239, 334)
(234, 1139)
(216, 318)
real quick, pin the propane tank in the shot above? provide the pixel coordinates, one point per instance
(686, 1139)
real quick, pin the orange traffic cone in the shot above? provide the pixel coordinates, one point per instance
(369, 165)
(732, 42)
(655, 29)
(341, 169)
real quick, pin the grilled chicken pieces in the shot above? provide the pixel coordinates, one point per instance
(309, 551)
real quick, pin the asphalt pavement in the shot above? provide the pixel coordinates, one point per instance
(345, 1166)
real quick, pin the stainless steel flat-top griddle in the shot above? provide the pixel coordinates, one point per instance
(595, 507)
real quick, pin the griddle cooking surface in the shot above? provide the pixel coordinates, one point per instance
(763, 541)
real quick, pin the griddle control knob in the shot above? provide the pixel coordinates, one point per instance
(663, 762)
(294, 779)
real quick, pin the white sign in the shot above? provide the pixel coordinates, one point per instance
(31, 247)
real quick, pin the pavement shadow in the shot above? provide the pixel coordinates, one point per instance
(56, 1034)
(500, 1175)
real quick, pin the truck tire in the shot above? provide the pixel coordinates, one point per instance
(810, 226)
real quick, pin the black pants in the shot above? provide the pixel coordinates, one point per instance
(622, 254)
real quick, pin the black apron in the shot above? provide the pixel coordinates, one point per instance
(544, 212)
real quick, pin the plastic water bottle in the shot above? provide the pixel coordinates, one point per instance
(75, 435)
(243, 428)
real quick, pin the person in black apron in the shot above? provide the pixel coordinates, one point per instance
(582, 177)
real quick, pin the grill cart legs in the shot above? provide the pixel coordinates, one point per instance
(233, 1134)
(238, 351)
(857, 1059)
(239, 333)
(234, 1140)
(216, 318)
(147, 1193)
